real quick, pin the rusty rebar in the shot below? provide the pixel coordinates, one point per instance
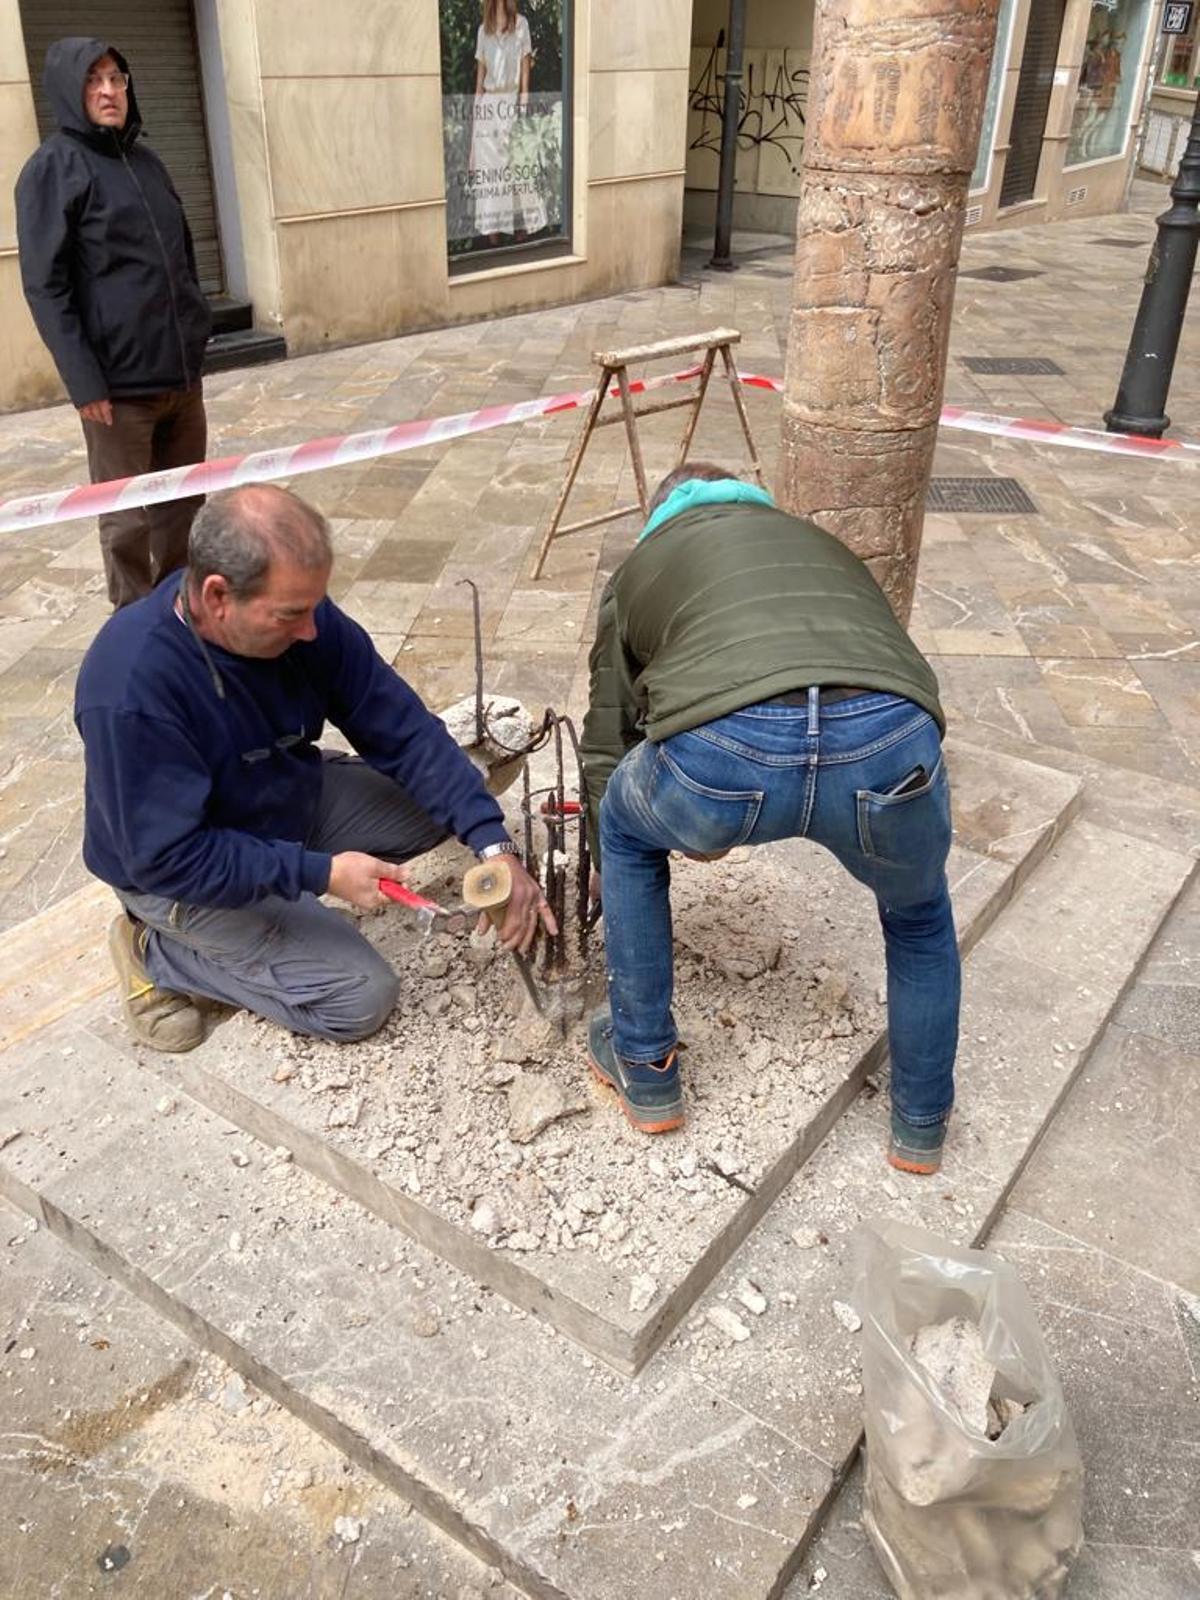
(480, 716)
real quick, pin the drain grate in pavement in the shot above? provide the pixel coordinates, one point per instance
(1014, 366)
(977, 494)
(1123, 244)
(1001, 274)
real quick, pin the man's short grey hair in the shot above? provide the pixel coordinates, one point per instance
(707, 471)
(237, 534)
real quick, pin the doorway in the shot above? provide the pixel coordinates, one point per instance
(1034, 88)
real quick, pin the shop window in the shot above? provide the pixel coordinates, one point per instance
(1180, 68)
(1107, 80)
(983, 159)
(506, 120)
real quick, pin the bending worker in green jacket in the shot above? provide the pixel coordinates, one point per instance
(750, 682)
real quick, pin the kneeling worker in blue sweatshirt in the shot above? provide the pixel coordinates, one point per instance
(215, 815)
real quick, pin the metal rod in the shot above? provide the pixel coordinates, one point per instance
(1140, 406)
(735, 39)
(479, 719)
(531, 988)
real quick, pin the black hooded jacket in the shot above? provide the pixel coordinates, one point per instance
(106, 256)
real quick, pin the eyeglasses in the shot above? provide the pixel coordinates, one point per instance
(108, 80)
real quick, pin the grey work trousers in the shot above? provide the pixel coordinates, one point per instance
(299, 962)
(143, 543)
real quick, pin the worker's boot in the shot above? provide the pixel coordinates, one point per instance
(156, 1017)
(913, 1149)
(649, 1091)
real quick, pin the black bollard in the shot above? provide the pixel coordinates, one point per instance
(730, 119)
(1140, 406)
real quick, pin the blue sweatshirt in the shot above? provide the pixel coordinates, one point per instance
(209, 800)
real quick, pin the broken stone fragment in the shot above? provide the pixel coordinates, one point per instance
(727, 1322)
(951, 1353)
(613, 1228)
(1000, 1414)
(348, 1529)
(642, 1291)
(831, 992)
(534, 1102)
(752, 1297)
(345, 1113)
(531, 1038)
(509, 728)
(806, 1238)
(847, 1316)
(424, 1320)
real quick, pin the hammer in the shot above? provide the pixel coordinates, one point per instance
(488, 888)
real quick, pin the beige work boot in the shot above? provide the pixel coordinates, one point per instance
(156, 1017)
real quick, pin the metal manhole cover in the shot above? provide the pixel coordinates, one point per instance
(977, 494)
(1014, 366)
(1001, 274)
(1123, 244)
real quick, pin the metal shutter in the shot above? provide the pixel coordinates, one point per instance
(1034, 87)
(158, 38)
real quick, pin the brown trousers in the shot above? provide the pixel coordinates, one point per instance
(150, 434)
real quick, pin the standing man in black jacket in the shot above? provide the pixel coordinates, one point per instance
(110, 276)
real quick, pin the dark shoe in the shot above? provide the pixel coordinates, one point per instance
(156, 1017)
(649, 1091)
(916, 1150)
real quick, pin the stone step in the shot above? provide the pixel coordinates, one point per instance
(120, 1435)
(709, 1472)
(757, 1109)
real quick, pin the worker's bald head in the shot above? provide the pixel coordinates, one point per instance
(239, 534)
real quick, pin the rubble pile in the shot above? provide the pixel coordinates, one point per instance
(487, 1112)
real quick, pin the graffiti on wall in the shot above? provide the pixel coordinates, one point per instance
(771, 125)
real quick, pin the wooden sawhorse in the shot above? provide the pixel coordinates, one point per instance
(616, 364)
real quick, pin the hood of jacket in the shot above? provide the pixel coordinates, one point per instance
(67, 64)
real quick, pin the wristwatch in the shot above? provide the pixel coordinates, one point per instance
(505, 848)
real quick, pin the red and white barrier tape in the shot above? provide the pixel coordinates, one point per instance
(266, 466)
(26, 511)
(1030, 428)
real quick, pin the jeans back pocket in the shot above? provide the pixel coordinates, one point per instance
(907, 830)
(702, 819)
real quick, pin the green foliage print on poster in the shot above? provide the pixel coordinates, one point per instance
(537, 139)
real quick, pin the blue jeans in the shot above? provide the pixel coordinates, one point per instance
(778, 771)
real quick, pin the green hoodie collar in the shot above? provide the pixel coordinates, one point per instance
(702, 492)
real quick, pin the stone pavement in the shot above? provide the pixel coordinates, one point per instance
(1064, 636)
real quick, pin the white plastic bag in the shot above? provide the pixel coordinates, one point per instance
(953, 1514)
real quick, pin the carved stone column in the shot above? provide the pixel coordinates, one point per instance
(895, 108)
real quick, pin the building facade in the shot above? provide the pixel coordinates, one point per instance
(355, 173)
(391, 165)
(1064, 104)
(1175, 80)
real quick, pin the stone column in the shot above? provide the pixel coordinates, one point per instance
(894, 114)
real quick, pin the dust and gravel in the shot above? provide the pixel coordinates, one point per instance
(473, 1104)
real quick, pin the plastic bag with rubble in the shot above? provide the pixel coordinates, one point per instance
(952, 1513)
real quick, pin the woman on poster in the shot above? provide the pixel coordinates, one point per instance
(507, 201)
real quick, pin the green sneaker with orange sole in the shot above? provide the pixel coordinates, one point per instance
(913, 1149)
(650, 1093)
